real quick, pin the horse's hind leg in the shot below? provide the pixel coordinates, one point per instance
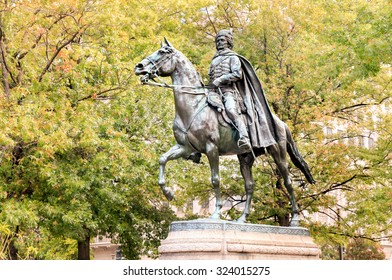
(213, 158)
(175, 152)
(278, 152)
(246, 163)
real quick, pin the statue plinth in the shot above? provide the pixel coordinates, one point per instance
(208, 239)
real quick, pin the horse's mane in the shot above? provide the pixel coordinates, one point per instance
(188, 63)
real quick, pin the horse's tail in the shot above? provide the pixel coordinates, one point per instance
(296, 157)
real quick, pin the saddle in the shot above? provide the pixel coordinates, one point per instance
(215, 101)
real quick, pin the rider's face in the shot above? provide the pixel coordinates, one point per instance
(221, 43)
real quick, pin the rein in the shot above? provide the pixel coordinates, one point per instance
(152, 74)
(185, 89)
(180, 88)
(196, 90)
(161, 83)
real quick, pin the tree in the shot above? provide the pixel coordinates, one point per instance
(321, 64)
(67, 158)
(81, 138)
(362, 249)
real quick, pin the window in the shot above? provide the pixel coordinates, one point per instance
(371, 143)
(341, 136)
(361, 141)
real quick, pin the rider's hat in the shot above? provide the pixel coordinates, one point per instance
(228, 34)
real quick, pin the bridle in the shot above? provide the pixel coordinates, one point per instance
(158, 63)
(152, 74)
(193, 90)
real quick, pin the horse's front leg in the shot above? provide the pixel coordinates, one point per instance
(246, 163)
(175, 152)
(213, 158)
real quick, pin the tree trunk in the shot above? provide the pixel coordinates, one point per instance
(84, 248)
(13, 251)
(4, 71)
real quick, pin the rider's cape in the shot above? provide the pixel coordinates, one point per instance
(258, 116)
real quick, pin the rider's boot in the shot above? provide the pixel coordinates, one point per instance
(243, 142)
(235, 116)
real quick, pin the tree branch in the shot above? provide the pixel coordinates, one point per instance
(211, 21)
(20, 56)
(56, 53)
(4, 70)
(95, 95)
(374, 239)
(333, 187)
(359, 106)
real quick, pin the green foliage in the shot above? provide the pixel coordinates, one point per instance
(72, 140)
(5, 239)
(363, 249)
(81, 138)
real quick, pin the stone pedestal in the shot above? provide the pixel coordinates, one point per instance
(208, 239)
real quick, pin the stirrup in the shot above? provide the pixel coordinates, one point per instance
(243, 143)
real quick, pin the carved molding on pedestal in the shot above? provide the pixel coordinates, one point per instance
(210, 224)
(219, 239)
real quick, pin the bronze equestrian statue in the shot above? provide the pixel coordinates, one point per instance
(234, 94)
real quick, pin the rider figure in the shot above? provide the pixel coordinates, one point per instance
(224, 71)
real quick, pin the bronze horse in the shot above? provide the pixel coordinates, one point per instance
(197, 129)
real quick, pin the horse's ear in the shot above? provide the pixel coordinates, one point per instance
(162, 45)
(168, 43)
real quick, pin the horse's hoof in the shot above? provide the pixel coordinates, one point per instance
(294, 223)
(215, 216)
(241, 220)
(169, 194)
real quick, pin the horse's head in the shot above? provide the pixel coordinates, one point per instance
(160, 63)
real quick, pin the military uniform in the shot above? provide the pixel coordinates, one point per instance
(226, 70)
